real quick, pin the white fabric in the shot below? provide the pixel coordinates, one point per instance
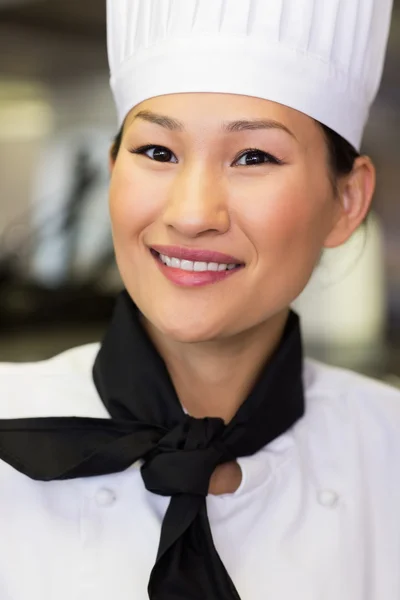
(321, 57)
(316, 517)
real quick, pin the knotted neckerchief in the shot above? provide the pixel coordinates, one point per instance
(180, 453)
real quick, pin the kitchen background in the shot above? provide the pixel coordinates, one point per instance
(58, 279)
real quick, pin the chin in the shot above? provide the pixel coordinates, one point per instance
(185, 324)
(187, 330)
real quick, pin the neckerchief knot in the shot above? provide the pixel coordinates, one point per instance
(185, 458)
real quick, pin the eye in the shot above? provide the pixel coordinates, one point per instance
(254, 157)
(156, 153)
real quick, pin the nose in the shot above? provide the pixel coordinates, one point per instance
(197, 203)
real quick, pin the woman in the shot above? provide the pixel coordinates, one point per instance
(263, 474)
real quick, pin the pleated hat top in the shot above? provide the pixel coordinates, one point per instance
(322, 57)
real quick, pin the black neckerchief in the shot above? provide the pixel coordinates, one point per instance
(179, 452)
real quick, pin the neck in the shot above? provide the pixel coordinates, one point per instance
(213, 378)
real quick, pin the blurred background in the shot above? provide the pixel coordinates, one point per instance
(58, 280)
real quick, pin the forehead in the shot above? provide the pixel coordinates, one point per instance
(211, 110)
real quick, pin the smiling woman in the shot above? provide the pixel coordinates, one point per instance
(263, 474)
(235, 174)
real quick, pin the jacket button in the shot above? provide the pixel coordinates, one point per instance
(328, 498)
(105, 497)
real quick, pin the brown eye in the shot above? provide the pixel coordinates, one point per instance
(157, 153)
(256, 157)
(161, 154)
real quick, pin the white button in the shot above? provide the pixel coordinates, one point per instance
(328, 498)
(105, 497)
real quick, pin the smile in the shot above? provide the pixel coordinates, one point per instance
(189, 265)
(184, 270)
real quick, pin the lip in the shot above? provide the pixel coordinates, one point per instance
(196, 254)
(192, 279)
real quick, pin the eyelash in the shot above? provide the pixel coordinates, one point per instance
(271, 159)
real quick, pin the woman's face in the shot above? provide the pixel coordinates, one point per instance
(258, 192)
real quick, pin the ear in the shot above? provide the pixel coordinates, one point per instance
(355, 193)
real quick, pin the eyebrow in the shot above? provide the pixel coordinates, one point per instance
(227, 126)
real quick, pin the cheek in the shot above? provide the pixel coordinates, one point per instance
(285, 221)
(287, 216)
(134, 200)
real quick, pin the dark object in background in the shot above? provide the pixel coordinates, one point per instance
(26, 304)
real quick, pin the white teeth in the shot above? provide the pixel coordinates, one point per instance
(189, 265)
(185, 265)
(175, 263)
(200, 266)
(213, 266)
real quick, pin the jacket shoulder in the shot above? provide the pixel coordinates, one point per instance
(59, 386)
(347, 404)
(333, 382)
(75, 359)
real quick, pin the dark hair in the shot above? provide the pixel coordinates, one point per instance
(342, 154)
(115, 148)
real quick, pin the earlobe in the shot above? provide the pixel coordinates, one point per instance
(355, 196)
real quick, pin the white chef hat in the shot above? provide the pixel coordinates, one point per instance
(322, 57)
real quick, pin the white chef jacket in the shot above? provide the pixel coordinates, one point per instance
(316, 517)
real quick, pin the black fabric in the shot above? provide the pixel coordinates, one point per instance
(179, 452)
